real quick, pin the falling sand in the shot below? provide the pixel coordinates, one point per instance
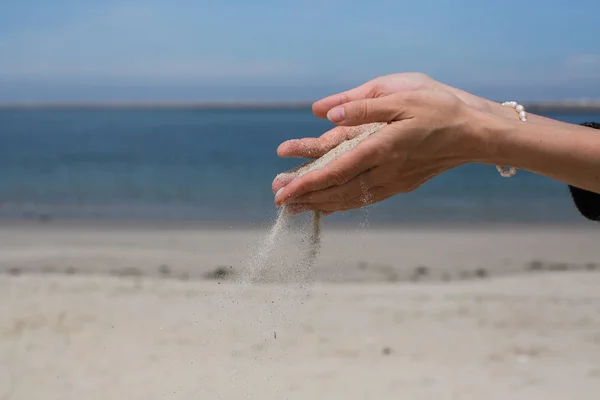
(359, 134)
(286, 256)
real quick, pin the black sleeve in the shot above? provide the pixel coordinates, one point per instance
(588, 203)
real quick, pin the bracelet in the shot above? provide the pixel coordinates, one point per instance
(512, 171)
(518, 107)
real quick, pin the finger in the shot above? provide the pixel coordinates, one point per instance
(280, 181)
(357, 188)
(315, 147)
(381, 109)
(339, 171)
(363, 91)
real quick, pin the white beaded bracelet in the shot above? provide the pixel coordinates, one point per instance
(511, 171)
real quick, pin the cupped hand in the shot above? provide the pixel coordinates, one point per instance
(428, 132)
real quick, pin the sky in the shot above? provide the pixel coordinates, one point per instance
(269, 50)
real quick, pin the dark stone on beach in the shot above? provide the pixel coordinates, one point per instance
(481, 273)
(221, 272)
(536, 265)
(164, 269)
(14, 271)
(420, 271)
(386, 351)
(70, 271)
(591, 266)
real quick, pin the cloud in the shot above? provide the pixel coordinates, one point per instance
(124, 43)
(108, 50)
(133, 42)
(172, 70)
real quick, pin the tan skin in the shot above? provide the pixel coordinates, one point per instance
(431, 129)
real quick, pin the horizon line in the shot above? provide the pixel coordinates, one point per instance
(539, 105)
(156, 105)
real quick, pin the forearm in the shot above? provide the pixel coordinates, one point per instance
(564, 152)
(496, 108)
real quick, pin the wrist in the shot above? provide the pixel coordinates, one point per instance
(502, 111)
(490, 133)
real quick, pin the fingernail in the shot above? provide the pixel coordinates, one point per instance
(278, 198)
(281, 198)
(336, 115)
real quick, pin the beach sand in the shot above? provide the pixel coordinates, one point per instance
(149, 311)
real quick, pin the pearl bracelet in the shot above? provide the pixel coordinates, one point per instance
(518, 107)
(511, 171)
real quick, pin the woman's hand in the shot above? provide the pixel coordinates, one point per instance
(428, 132)
(379, 87)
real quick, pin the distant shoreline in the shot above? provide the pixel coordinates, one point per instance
(159, 106)
(532, 106)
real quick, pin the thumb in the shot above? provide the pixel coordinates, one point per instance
(359, 112)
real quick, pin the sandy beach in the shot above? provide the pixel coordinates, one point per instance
(149, 311)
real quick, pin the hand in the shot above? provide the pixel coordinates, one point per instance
(428, 132)
(376, 88)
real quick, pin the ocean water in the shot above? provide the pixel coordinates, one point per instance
(216, 167)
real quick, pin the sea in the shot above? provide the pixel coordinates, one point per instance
(215, 167)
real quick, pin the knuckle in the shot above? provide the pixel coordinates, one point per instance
(400, 103)
(344, 98)
(362, 110)
(409, 97)
(384, 151)
(399, 156)
(455, 103)
(337, 178)
(420, 76)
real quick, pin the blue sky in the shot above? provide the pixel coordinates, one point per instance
(194, 50)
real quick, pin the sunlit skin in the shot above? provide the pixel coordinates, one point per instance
(431, 128)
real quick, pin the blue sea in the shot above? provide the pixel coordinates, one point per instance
(216, 167)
